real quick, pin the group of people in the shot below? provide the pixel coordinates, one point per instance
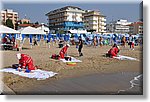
(63, 51)
(132, 41)
(9, 43)
(26, 62)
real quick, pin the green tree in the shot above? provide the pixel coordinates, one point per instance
(61, 31)
(25, 22)
(9, 23)
(16, 26)
(37, 22)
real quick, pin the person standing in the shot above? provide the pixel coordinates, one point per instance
(95, 41)
(80, 47)
(35, 41)
(123, 41)
(131, 42)
(101, 41)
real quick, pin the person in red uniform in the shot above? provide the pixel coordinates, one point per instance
(113, 51)
(25, 63)
(63, 51)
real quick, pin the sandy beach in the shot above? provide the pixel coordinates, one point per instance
(93, 62)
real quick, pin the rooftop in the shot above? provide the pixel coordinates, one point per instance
(64, 8)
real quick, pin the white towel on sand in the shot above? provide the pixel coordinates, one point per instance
(121, 57)
(72, 60)
(38, 74)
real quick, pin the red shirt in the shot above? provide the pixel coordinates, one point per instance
(26, 61)
(64, 50)
(113, 50)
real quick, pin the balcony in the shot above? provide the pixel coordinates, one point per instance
(103, 24)
(103, 19)
(103, 27)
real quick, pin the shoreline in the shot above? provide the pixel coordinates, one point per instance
(110, 84)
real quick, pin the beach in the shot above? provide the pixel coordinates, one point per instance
(95, 68)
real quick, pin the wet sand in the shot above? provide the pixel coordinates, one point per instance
(94, 65)
(112, 84)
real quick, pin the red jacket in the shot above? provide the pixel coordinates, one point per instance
(26, 61)
(113, 51)
(63, 51)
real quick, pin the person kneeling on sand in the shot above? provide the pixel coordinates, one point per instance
(25, 63)
(63, 51)
(113, 51)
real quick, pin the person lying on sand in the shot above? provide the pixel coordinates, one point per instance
(25, 63)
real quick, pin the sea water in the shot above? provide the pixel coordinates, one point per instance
(135, 84)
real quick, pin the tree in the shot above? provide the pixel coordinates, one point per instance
(25, 22)
(61, 31)
(16, 26)
(9, 23)
(37, 22)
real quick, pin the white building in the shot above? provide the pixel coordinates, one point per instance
(95, 21)
(119, 26)
(8, 13)
(66, 18)
(43, 28)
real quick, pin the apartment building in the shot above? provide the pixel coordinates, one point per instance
(94, 21)
(119, 26)
(136, 28)
(9, 13)
(66, 18)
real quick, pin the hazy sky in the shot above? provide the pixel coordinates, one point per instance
(112, 11)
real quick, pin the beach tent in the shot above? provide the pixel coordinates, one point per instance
(7, 30)
(43, 28)
(31, 30)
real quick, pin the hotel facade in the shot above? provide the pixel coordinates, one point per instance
(66, 18)
(71, 18)
(119, 26)
(94, 21)
(8, 13)
(136, 28)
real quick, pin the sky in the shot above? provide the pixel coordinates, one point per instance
(113, 11)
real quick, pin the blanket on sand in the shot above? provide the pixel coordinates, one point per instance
(72, 60)
(121, 57)
(38, 74)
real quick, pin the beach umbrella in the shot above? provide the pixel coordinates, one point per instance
(30, 36)
(39, 37)
(45, 36)
(23, 36)
(49, 37)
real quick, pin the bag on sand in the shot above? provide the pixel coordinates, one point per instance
(54, 56)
